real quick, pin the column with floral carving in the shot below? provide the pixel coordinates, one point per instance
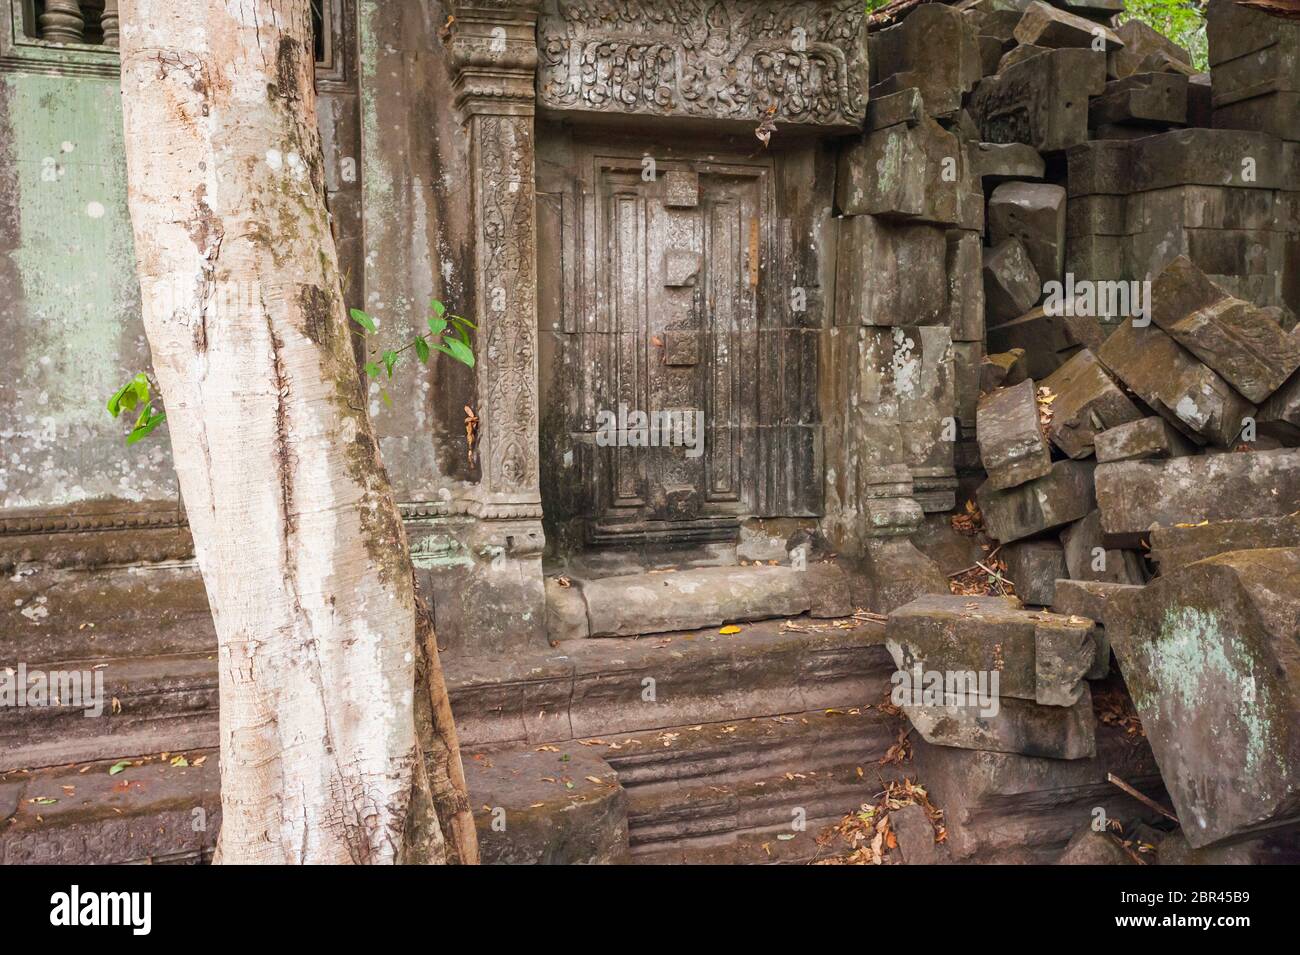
(494, 50)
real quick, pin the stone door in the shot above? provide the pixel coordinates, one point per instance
(679, 387)
(677, 270)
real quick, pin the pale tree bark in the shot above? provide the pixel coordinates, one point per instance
(331, 692)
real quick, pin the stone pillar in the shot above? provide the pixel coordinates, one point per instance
(494, 53)
(109, 23)
(62, 22)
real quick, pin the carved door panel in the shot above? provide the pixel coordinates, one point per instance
(676, 277)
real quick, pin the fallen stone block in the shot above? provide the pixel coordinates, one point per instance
(936, 45)
(1041, 101)
(1004, 368)
(1011, 283)
(1045, 25)
(1209, 657)
(1034, 213)
(1192, 396)
(991, 49)
(1035, 655)
(1084, 401)
(1086, 598)
(897, 573)
(1177, 546)
(1279, 416)
(1018, 54)
(1034, 567)
(998, 162)
(1091, 847)
(1012, 444)
(915, 835)
(1141, 41)
(1134, 496)
(1099, 10)
(1065, 494)
(1144, 438)
(1047, 340)
(1019, 726)
(1250, 351)
(1253, 60)
(1143, 99)
(1087, 557)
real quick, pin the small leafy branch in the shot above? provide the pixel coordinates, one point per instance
(447, 333)
(136, 394)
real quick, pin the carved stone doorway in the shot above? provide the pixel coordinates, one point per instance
(669, 374)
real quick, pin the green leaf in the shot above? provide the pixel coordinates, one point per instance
(144, 426)
(437, 325)
(118, 767)
(390, 359)
(362, 319)
(422, 351)
(461, 352)
(129, 396)
(45, 800)
(462, 320)
(372, 369)
(438, 308)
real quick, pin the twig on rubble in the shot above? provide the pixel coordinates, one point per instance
(977, 565)
(1144, 800)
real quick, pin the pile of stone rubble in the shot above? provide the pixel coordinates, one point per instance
(1127, 381)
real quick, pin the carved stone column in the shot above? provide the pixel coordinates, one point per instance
(62, 22)
(494, 52)
(109, 23)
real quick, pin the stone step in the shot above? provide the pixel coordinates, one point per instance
(751, 791)
(584, 688)
(80, 814)
(691, 599)
(162, 703)
(756, 790)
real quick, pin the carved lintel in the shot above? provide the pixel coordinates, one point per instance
(790, 61)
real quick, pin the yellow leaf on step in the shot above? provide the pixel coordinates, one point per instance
(730, 628)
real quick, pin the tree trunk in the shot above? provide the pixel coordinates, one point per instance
(336, 736)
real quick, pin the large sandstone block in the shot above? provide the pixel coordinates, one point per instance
(1011, 283)
(1041, 101)
(1013, 447)
(1048, 341)
(1173, 382)
(1181, 157)
(1141, 41)
(999, 162)
(908, 171)
(1209, 657)
(1143, 99)
(1249, 349)
(933, 49)
(1152, 437)
(1085, 401)
(891, 273)
(1036, 655)
(1179, 545)
(1034, 213)
(1087, 558)
(1255, 67)
(1034, 567)
(1134, 495)
(1065, 494)
(1045, 25)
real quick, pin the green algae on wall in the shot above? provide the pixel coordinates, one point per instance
(72, 331)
